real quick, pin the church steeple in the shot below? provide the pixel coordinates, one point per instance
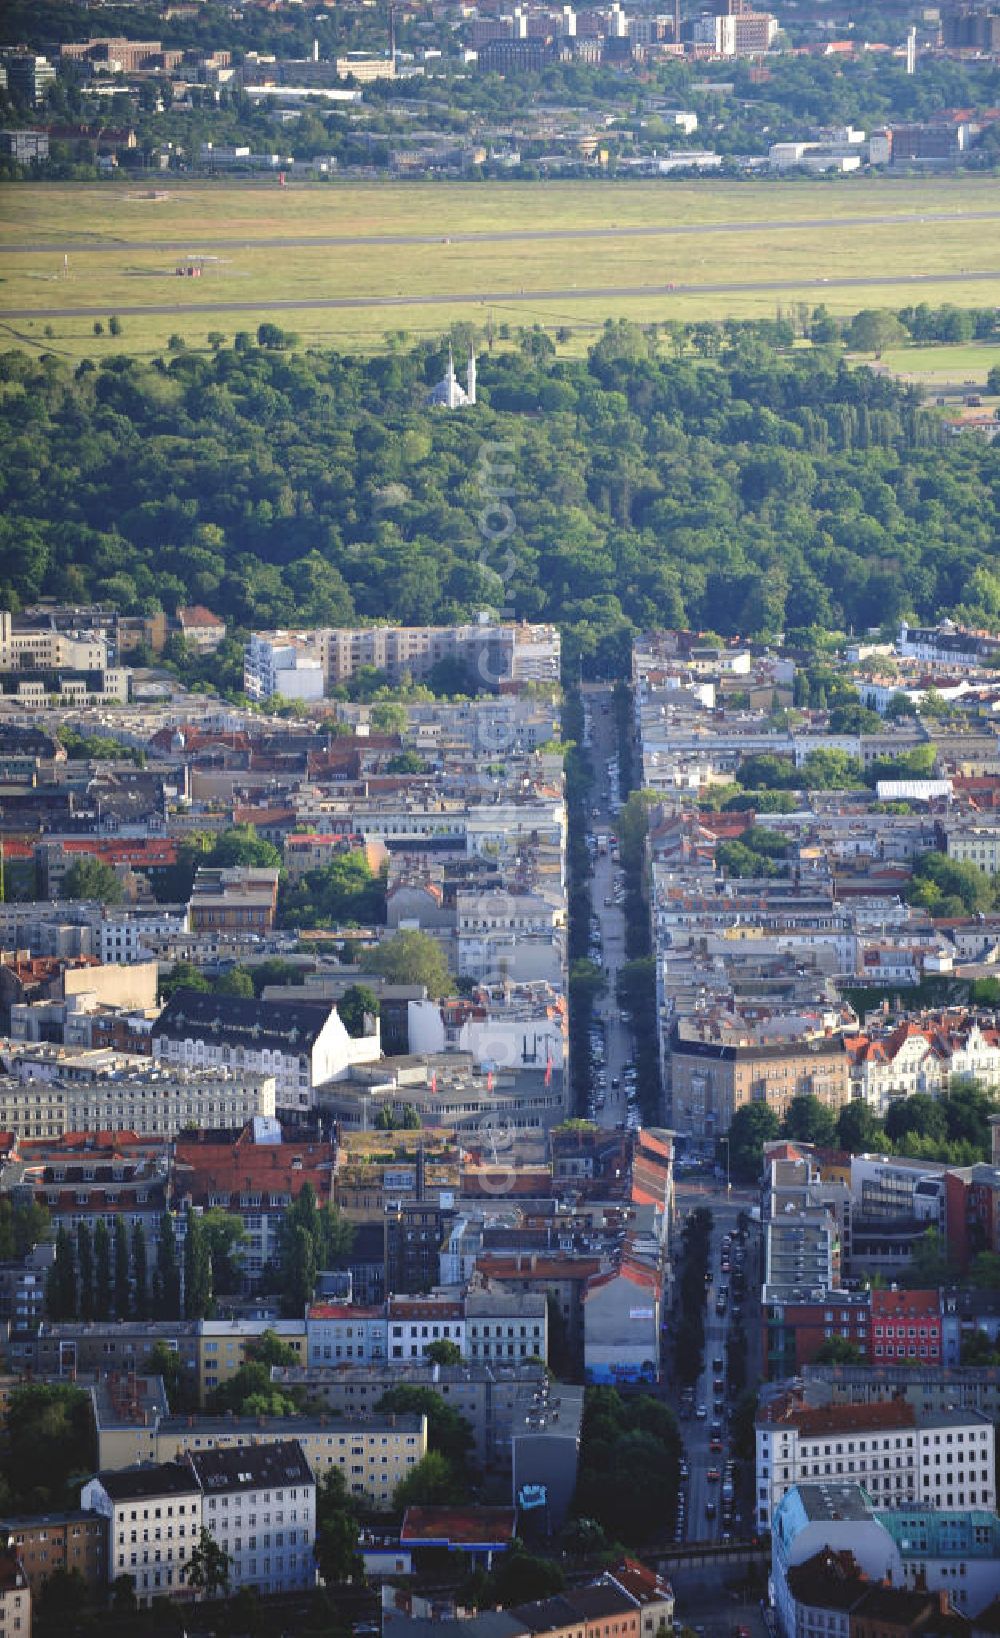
(470, 377)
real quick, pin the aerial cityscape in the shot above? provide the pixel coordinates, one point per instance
(499, 819)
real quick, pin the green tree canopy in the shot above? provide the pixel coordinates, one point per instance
(753, 1125)
(413, 957)
(355, 1002)
(432, 1483)
(810, 1121)
(90, 878)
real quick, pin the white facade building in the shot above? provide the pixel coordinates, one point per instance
(154, 1518)
(301, 1044)
(288, 663)
(259, 1505)
(143, 1098)
(939, 1459)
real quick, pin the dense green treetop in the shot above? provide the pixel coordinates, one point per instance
(733, 486)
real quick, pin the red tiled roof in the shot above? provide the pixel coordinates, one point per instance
(247, 1168)
(198, 615)
(813, 1421)
(413, 1308)
(635, 1273)
(458, 1526)
(531, 1267)
(341, 1311)
(922, 1304)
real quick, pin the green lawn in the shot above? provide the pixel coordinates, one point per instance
(523, 281)
(116, 211)
(946, 365)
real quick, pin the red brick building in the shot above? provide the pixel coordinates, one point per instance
(905, 1325)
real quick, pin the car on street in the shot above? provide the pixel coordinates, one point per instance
(701, 1411)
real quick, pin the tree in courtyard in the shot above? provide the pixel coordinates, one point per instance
(207, 1568)
(753, 1125)
(298, 1267)
(930, 1266)
(166, 1275)
(102, 1271)
(122, 1295)
(61, 1297)
(432, 1483)
(198, 1302)
(838, 1351)
(85, 1269)
(354, 1004)
(337, 1530)
(448, 1432)
(140, 1273)
(859, 1131)
(413, 957)
(444, 1352)
(268, 1349)
(224, 1235)
(807, 1120)
(90, 878)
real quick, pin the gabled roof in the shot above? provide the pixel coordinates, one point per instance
(196, 614)
(634, 1273)
(286, 1026)
(149, 1480)
(251, 1467)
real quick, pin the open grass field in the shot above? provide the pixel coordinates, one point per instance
(656, 251)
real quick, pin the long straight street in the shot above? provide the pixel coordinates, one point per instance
(609, 1097)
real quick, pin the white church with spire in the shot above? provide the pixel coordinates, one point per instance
(449, 394)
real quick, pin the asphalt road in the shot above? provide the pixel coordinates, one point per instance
(696, 1434)
(195, 247)
(617, 1035)
(701, 1460)
(467, 299)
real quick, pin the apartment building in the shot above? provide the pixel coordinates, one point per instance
(304, 664)
(906, 1325)
(46, 1542)
(233, 900)
(488, 1395)
(44, 647)
(796, 1324)
(374, 1455)
(516, 1026)
(288, 664)
(259, 1505)
(924, 1549)
(711, 1078)
(147, 1098)
(621, 1324)
(224, 1346)
(154, 1520)
(79, 1179)
(300, 1043)
(256, 1181)
(68, 1348)
(522, 935)
(15, 1596)
(494, 1327)
(935, 1458)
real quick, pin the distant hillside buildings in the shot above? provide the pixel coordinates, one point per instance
(306, 664)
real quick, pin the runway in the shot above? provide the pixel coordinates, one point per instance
(503, 297)
(500, 236)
